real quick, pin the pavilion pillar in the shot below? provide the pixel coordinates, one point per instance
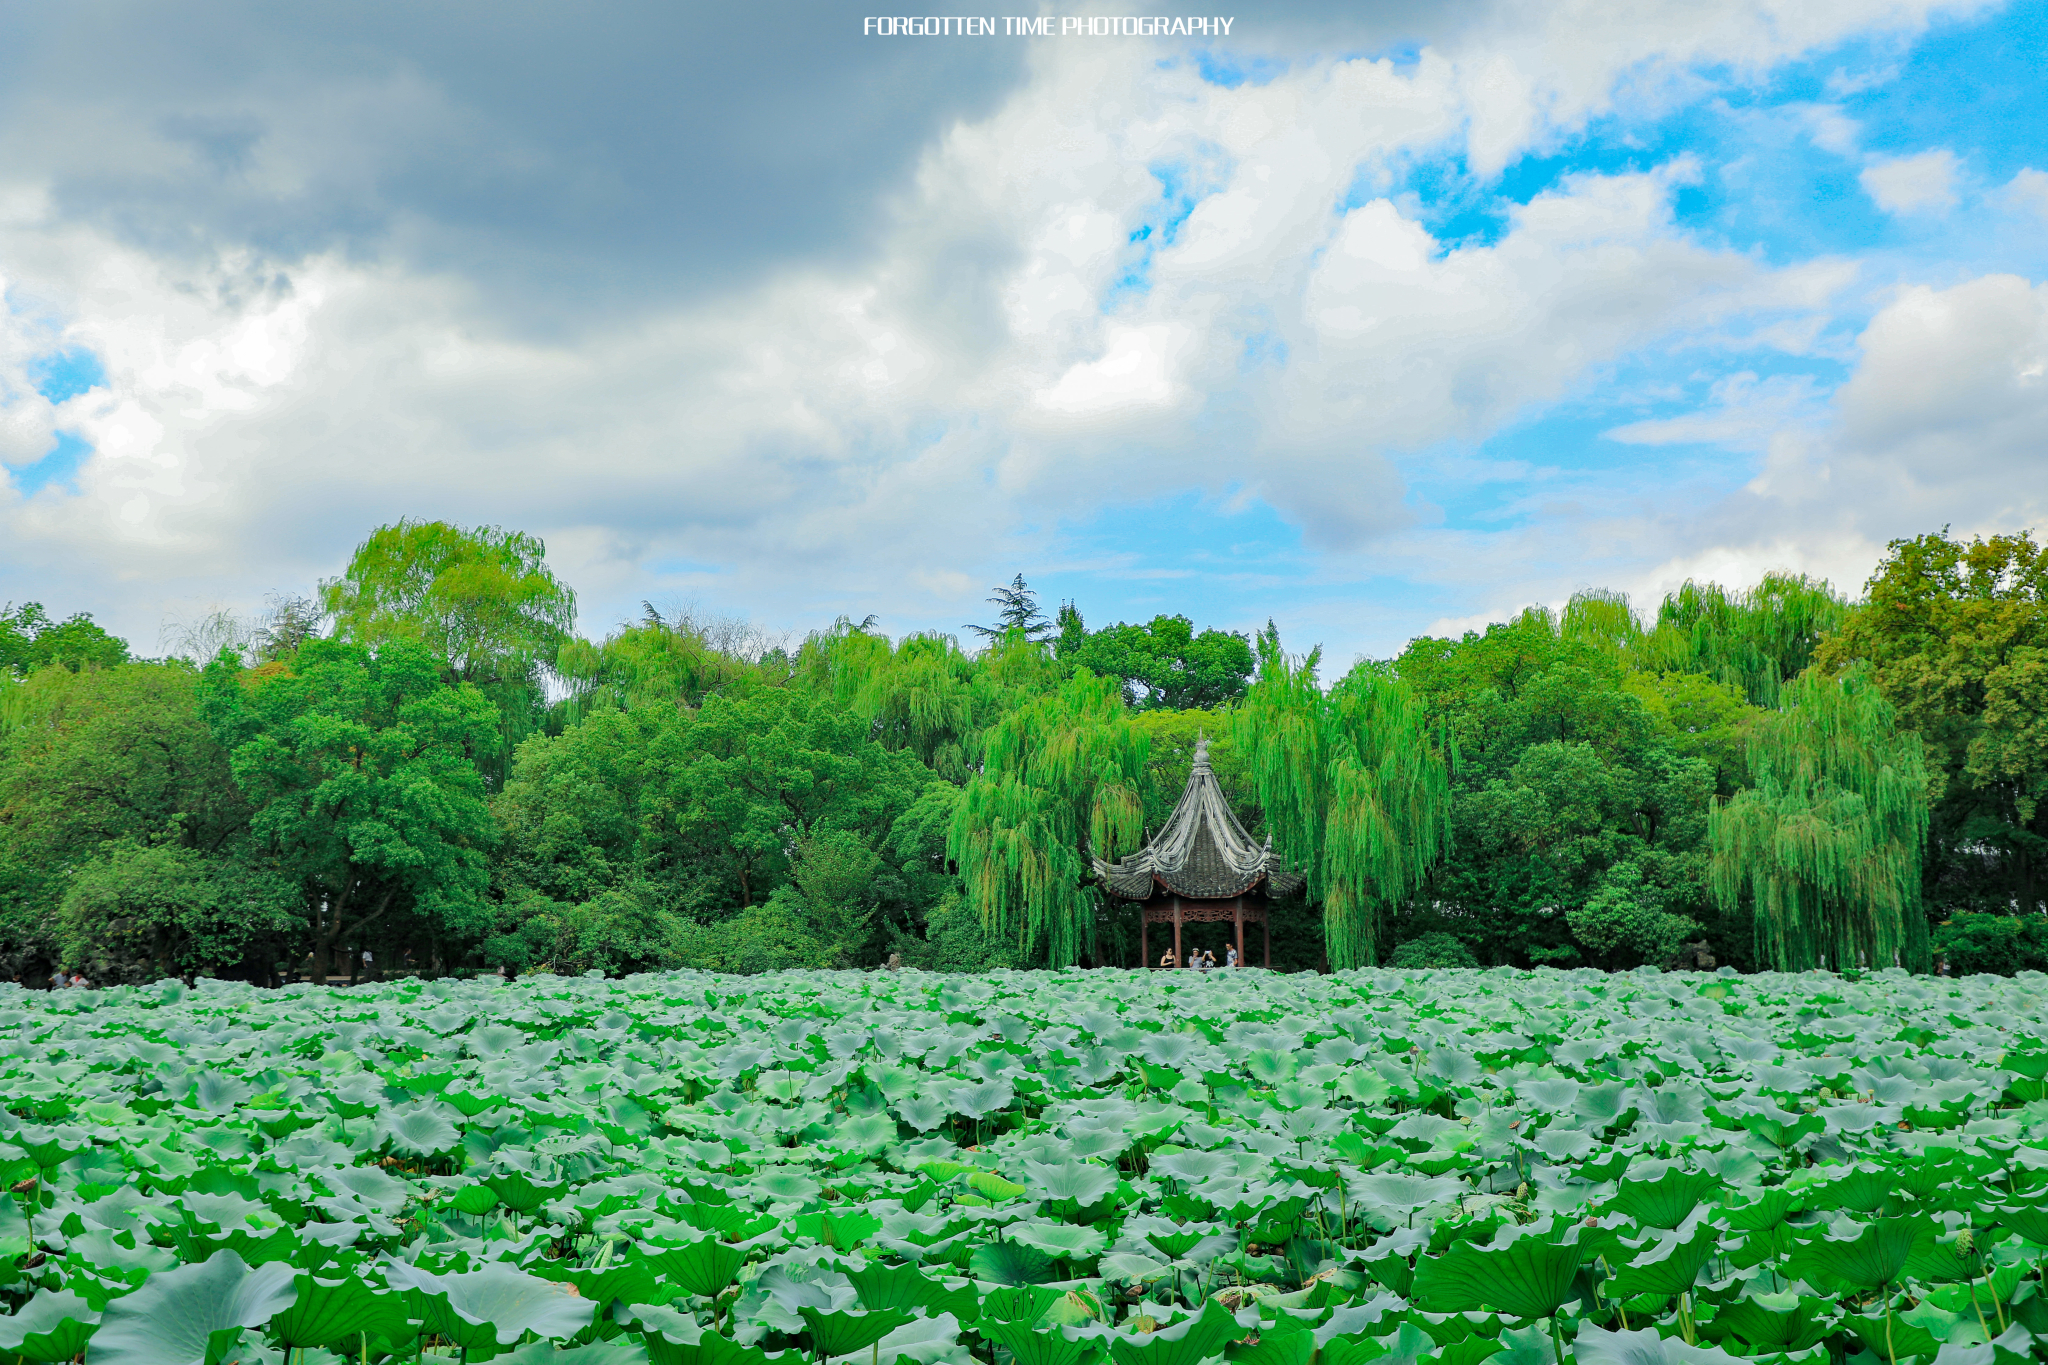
(1144, 943)
(1177, 960)
(1237, 913)
(1266, 922)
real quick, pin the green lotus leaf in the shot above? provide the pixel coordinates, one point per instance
(1031, 1346)
(1775, 1322)
(844, 1231)
(517, 1192)
(704, 1348)
(786, 1186)
(1407, 1193)
(842, 1333)
(1009, 1263)
(1668, 1265)
(705, 1266)
(1666, 1201)
(923, 1112)
(51, 1147)
(1644, 1346)
(185, 1316)
(1185, 1343)
(420, 1132)
(54, 1325)
(1940, 1260)
(1080, 1182)
(1175, 1245)
(1870, 1259)
(1293, 1348)
(1023, 1303)
(1771, 1207)
(495, 1305)
(1894, 1337)
(2028, 1220)
(1783, 1132)
(325, 1312)
(1862, 1190)
(1528, 1278)
(474, 1200)
(892, 1287)
(1060, 1239)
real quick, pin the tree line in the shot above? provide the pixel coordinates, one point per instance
(421, 762)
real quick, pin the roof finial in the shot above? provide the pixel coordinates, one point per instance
(1201, 752)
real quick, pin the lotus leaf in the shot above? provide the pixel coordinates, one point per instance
(52, 1326)
(1529, 1277)
(185, 1316)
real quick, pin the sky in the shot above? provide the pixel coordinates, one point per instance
(1370, 319)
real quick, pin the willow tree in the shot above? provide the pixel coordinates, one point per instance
(1757, 639)
(923, 692)
(1062, 780)
(674, 661)
(1355, 783)
(1827, 841)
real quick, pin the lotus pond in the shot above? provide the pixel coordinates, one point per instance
(1050, 1169)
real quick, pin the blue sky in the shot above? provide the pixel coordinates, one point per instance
(1373, 323)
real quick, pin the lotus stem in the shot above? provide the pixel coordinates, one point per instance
(1972, 1283)
(1556, 1339)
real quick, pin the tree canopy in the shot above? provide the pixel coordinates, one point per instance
(429, 764)
(1163, 664)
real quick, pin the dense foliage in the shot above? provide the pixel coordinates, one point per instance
(423, 763)
(1044, 1169)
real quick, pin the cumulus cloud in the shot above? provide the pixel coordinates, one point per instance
(1922, 183)
(326, 294)
(1939, 423)
(2029, 188)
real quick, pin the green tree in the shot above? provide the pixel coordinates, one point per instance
(142, 910)
(1699, 717)
(923, 693)
(1354, 784)
(29, 640)
(1062, 781)
(1827, 843)
(119, 754)
(1016, 610)
(1580, 815)
(1757, 639)
(755, 774)
(674, 818)
(1955, 636)
(357, 764)
(1163, 664)
(481, 599)
(656, 660)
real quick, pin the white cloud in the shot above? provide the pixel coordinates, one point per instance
(1922, 183)
(2029, 188)
(884, 434)
(1939, 424)
(1747, 413)
(1832, 130)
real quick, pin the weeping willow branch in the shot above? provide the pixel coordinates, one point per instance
(1355, 784)
(1062, 779)
(1828, 842)
(925, 694)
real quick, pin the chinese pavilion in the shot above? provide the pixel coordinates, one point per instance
(1200, 869)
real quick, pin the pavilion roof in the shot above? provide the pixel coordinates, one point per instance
(1202, 853)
